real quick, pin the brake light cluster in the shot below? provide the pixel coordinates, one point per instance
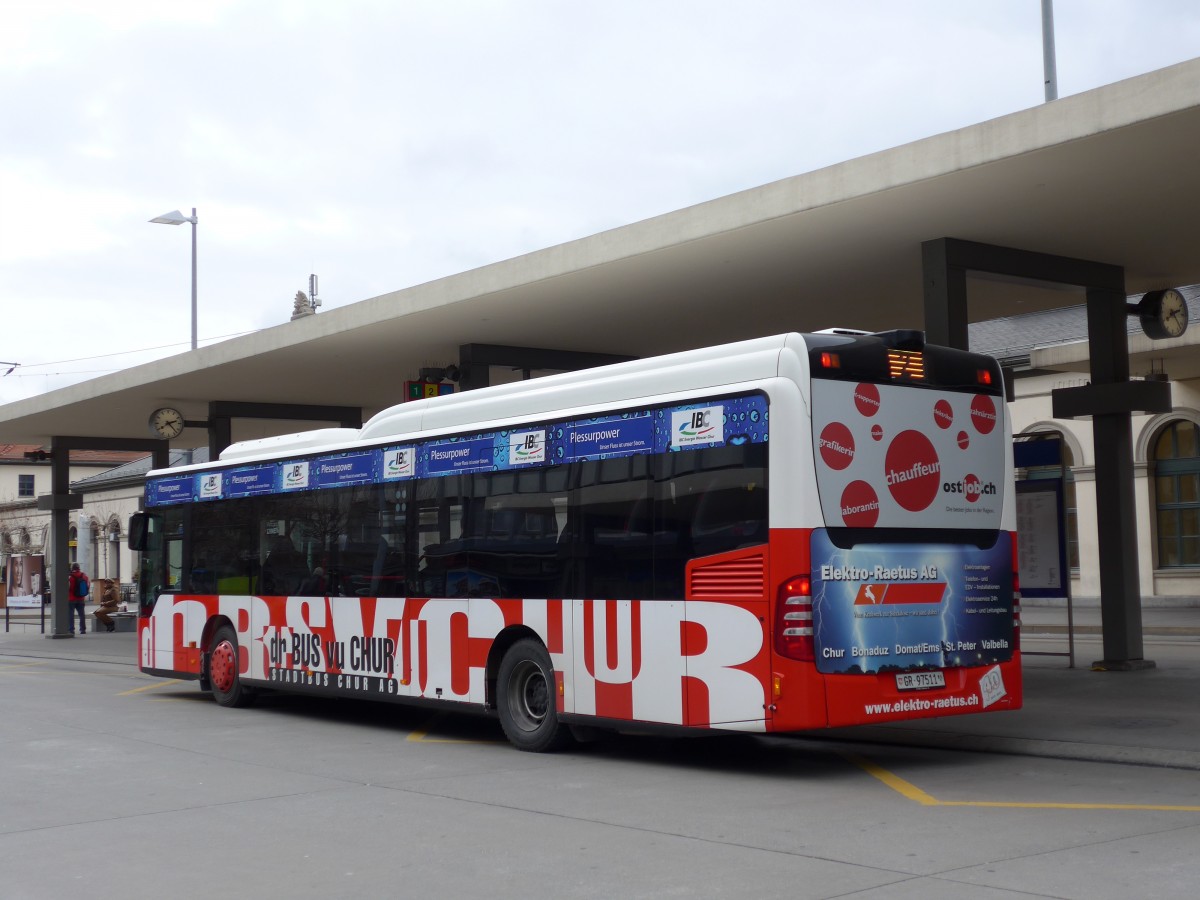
(794, 619)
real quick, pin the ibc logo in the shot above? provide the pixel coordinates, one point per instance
(527, 447)
(295, 475)
(398, 463)
(210, 486)
(698, 426)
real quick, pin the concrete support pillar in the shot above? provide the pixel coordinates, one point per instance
(60, 540)
(1116, 512)
(1110, 399)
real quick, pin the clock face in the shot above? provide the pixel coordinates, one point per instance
(1174, 314)
(166, 423)
(1164, 314)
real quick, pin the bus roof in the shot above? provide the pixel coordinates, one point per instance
(687, 371)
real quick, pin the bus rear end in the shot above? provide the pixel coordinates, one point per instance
(908, 604)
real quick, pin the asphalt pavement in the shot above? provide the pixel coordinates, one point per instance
(1148, 716)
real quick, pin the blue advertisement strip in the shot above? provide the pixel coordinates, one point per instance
(339, 471)
(707, 423)
(164, 491)
(598, 438)
(255, 480)
(449, 457)
(714, 423)
(895, 608)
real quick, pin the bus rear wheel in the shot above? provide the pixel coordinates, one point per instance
(223, 677)
(526, 699)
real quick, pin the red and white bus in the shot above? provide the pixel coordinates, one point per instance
(787, 533)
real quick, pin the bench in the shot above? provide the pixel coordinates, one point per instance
(122, 621)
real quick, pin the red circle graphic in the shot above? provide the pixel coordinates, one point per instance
(837, 446)
(943, 415)
(983, 413)
(912, 470)
(964, 440)
(866, 398)
(860, 505)
(972, 488)
(877, 432)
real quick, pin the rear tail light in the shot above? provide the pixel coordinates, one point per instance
(794, 619)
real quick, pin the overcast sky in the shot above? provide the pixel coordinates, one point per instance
(385, 143)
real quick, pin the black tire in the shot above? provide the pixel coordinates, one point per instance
(526, 699)
(223, 678)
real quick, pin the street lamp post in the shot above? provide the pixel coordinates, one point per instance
(175, 217)
(1049, 65)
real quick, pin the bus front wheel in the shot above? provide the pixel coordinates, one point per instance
(526, 699)
(223, 677)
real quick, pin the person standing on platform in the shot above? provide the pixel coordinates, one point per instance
(78, 588)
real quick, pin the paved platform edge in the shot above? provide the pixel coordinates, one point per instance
(106, 659)
(1044, 748)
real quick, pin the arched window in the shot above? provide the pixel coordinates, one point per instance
(1177, 494)
(1066, 472)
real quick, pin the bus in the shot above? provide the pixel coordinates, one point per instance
(777, 535)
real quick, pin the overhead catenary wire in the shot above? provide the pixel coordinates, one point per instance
(64, 362)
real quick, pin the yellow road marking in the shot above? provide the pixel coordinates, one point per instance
(5, 668)
(1113, 806)
(912, 792)
(420, 735)
(895, 782)
(151, 687)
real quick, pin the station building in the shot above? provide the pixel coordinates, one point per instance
(1081, 203)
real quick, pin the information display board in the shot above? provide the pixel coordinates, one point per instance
(1041, 538)
(24, 582)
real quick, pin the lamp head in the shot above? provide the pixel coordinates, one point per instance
(174, 217)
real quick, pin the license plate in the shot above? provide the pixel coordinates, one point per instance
(920, 681)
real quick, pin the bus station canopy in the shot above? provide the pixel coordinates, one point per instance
(1108, 176)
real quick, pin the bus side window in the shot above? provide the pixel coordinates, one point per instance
(167, 563)
(676, 489)
(711, 500)
(729, 517)
(514, 549)
(443, 508)
(223, 555)
(285, 567)
(609, 558)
